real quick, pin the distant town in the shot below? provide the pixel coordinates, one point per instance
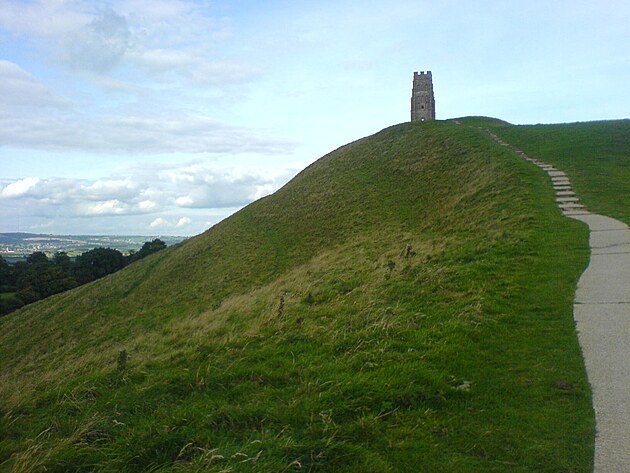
(17, 246)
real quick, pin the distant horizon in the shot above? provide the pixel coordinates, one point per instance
(97, 234)
(18, 245)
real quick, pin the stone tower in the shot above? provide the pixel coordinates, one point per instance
(422, 99)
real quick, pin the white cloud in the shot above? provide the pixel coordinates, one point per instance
(19, 187)
(263, 190)
(108, 207)
(167, 37)
(147, 205)
(193, 66)
(183, 222)
(184, 201)
(163, 60)
(145, 190)
(222, 72)
(159, 222)
(103, 189)
(20, 89)
(156, 10)
(172, 22)
(125, 82)
(135, 134)
(98, 46)
(42, 18)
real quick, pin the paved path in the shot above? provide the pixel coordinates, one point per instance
(602, 315)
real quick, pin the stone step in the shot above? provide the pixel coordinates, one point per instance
(557, 174)
(565, 193)
(576, 212)
(567, 200)
(571, 206)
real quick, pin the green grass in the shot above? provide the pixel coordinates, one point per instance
(404, 304)
(595, 155)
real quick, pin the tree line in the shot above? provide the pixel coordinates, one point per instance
(40, 276)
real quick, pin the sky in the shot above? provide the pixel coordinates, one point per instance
(162, 117)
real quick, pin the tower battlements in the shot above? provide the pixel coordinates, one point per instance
(422, 99)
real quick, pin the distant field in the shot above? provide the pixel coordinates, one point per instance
(16, 246)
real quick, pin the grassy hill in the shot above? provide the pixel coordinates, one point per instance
(403, 304)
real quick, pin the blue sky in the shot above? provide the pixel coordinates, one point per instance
(159, 117)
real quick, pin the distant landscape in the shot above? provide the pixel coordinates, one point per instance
(17, 246)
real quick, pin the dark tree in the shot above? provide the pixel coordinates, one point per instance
(42, 280)
(17, 270)
(97, 263)
(62, 260)
(27, 295)
(7, 281)
(148, 248)
(37, 257)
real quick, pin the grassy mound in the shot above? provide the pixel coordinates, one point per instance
(404, 304)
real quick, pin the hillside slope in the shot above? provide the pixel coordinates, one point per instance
(403, 304)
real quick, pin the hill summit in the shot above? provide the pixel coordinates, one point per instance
(403, 304)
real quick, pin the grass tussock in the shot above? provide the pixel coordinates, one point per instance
(404, 304)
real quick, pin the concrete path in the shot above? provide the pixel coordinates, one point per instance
(602, 315)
